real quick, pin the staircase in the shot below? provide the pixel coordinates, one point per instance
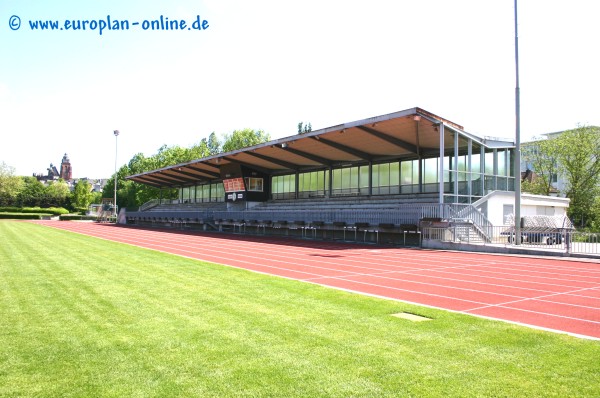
(473, 225)
(467, 233)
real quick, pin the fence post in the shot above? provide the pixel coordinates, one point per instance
(567, 241)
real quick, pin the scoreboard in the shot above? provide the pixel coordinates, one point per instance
(234, 185)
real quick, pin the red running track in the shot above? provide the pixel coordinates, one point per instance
(554, 294)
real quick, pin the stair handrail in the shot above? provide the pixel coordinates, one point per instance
(149, 204)
(470, 212)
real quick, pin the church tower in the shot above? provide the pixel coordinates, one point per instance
(65, 168)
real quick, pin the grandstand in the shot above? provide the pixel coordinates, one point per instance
(376, 179)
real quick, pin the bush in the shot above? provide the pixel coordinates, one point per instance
(80, 210)
(76, 217)
(24, 216)
(55, 211)
(586, 237)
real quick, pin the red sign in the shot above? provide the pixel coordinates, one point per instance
(234, 185)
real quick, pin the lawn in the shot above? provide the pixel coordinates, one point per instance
(84, 317)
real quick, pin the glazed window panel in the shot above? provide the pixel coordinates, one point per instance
(395, 173)
(501, 163)
(304, 182)
(462, 163)
(475, 161)
(217, 192)
(185, 194)
(337, 179)
(323, 179)
(406, 173)
(375, 175)
(448, 184)
(415, 172)
(314, 180)
(431, 171)
(290, 183)
(364, 176)
(346, 181)
(384, 175)
(354, 180)
(254, 184)
(489, 161)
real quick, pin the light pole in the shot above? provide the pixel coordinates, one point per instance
(517, 170)
(116, 132)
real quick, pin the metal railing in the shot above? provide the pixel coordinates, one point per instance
(384, 216)
(551, 240)
(149, 204)
(458, 211)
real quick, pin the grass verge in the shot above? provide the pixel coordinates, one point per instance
(82, 317)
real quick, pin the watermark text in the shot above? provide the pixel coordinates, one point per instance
(109, 23)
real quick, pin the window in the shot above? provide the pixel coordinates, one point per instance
(502, 166)
(217, 192)
(185, 195)
(364, 176)
(283, 187)
(406, 173)
(507, 211)
(431, 171)
(345, 181)
(311, 184)
(489, 161)
(395, 173)
(254, 184)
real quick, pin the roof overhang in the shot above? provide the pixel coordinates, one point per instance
(409, 134)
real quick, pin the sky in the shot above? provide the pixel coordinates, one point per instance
(268, 65)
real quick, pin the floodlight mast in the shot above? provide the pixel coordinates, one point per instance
(116, 133)
(517, 166)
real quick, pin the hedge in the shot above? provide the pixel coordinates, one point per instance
(24, 216)
(55, 211)
(76, 217)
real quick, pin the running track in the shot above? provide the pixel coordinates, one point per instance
(558, 295)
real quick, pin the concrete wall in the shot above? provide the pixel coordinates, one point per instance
(501, 203)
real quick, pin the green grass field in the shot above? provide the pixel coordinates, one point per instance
(83, 317)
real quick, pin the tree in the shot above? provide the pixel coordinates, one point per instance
(575, 156)
(543, 157)
(57, 194)
(213, 144)
(82, 194)
(244, 138)
(132, 194)
(304, 128)
(32, 193)
(10, 185)
(537, 186)
(594, 219)
(578, 155)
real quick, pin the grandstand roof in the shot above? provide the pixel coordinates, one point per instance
(408, 134)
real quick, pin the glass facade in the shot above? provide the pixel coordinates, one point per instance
(469, 171)
(475, 170)
(283, 187)
(313, 184)
(202, 193)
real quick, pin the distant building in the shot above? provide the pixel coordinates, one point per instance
(65, 168)
(66, 174)
(66, 171)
